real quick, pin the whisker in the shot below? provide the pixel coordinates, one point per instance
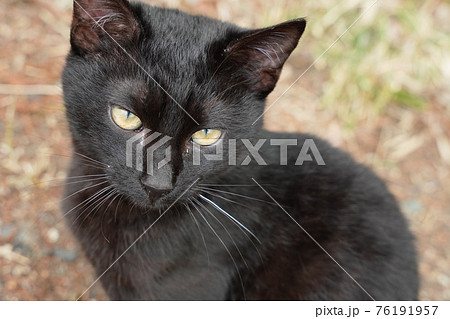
(224, 198)
(103, 217)
(97, 198)
(117, 206)
(229, 216)
(226, 230)
(82, 190)
(91, 165)
(73, 182)
(226, 185)
(239, 195)
(86, 163)
(73, 152)
(131, 210)
(87, 200)
(246, 235)
(83, 176)
(52, 183)
(91, 159)
(199, 229)
(73, 208)
(223, 244)
(100, 202)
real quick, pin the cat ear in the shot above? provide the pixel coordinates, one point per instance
(96, 22)
(260, 55)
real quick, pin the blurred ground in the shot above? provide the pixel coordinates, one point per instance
(381, 93)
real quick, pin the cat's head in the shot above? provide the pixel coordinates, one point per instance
(136, 70)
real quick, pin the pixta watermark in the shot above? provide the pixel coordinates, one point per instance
(149, 151)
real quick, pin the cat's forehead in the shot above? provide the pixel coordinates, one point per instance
(175, 50)
(169, 23)
(175, 33)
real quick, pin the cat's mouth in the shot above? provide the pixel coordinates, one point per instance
(162, 200)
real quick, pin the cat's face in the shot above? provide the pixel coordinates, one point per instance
(135, 70)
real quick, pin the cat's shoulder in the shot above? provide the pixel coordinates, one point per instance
(310, 157)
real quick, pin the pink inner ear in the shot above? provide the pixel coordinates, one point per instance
(269, 54)
(261, 54)
(271, 46)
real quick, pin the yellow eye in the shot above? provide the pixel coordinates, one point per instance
(125, 119)
(206, 137)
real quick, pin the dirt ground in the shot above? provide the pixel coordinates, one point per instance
(40, 260)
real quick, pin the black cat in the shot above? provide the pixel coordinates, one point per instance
(310, 224)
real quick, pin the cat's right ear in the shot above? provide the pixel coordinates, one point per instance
(99, 23)
(256, 58)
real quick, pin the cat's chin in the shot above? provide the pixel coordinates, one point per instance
(180, 195)
(148, 205)
(160, 205)
(154, 206)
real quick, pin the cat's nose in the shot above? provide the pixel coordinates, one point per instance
(157, 187)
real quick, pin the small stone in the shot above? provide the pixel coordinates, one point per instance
(66, 255)
(20, 270)
(444, 280)
(412, 206)
(6, 231)
(53, 235)
(23, 249)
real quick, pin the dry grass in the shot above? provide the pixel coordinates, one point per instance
(380, 92)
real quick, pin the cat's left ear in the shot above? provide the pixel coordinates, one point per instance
(256, 59)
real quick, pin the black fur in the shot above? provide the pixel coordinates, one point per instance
(220, 74)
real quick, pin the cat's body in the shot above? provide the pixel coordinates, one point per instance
(339, 235)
